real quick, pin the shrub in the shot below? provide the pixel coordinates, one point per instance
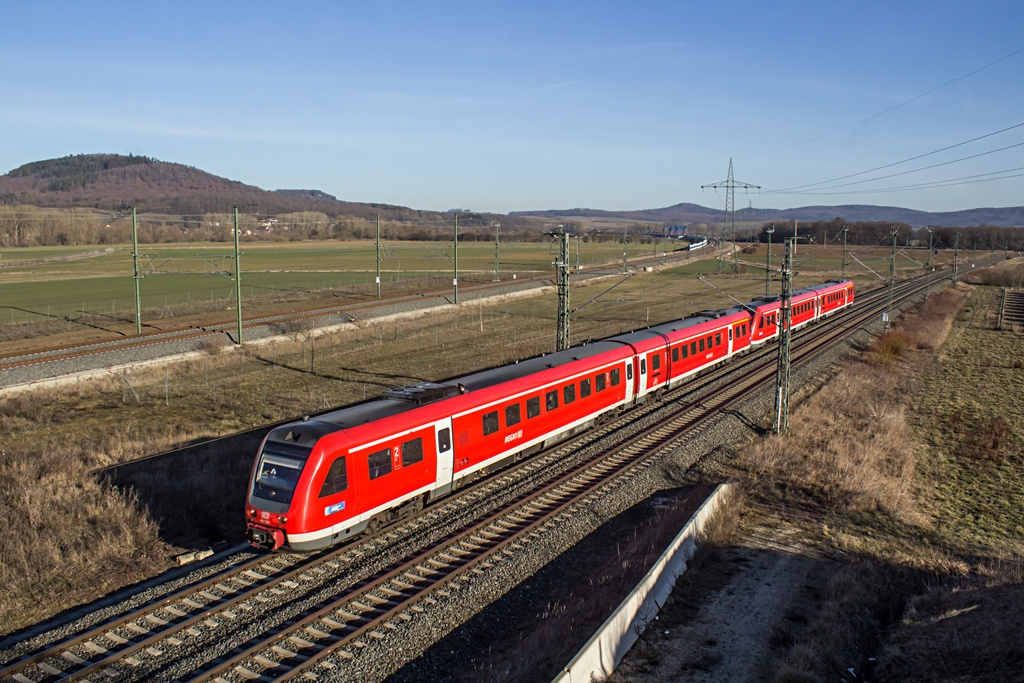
(211, 345)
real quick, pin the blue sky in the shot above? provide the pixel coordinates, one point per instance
(529, 105)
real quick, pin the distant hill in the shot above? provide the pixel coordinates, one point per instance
(693, 213)
(108, 181)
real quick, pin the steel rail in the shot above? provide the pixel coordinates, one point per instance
(152, 619)
(359, 614)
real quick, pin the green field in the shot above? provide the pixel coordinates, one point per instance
(101, 280)
(49, 283)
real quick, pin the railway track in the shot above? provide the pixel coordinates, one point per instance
(324, 608)
(351, 311)
(329, 636)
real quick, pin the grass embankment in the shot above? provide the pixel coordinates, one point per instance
(906, 470)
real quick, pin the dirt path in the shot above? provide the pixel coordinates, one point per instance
(725, 620)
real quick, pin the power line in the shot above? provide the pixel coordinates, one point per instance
(890, 109)
(949, 182)
(925, 168)
(897, 163)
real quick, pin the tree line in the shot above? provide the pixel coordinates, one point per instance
(880, 233)
(31, 226)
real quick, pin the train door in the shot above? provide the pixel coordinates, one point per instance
(641, 384)
(630, 387)
(445, 455)
(728, 353)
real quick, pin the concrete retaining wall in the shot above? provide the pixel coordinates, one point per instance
(603, 652)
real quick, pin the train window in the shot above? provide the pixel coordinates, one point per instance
(629, 371)
(615, 377)
(533, 406)
(444, 440)
(412, 451)
(512, 415)
(337, 478)
(693, 348)
(380, 463)
(569, 393)
(551, 400)
(718, 338)
(643, 366)
(584, 388)
(701, 344)
(730, 333)
(490, 422)
(685, 349)
(656, 361)
(599, 382)
(675, 355)
(709, 342)
(279, 470)
(760, 323)
(743, 329)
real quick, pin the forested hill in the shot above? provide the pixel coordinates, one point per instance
(109, 181)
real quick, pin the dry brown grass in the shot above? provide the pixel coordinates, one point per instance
(928, 325)
(857, 604)
(66, 535)
(850, 447)
(966, 629)
(1007, 274)
(851, 462)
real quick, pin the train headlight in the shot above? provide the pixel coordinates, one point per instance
(282, 520)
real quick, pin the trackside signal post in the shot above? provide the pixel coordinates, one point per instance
(892, 278)
(455, 272)
(378, 255)
(956, 256)
(928, 278)
(135, 263)
(768, 262)
(782, 374)
(562, 278)
(135, 266)
(497, 231)
(238, 279)
(846, 229)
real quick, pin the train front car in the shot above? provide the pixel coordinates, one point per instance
(276, 504)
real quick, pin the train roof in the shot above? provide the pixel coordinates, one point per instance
(402, 399)
(829, 284)
(673, 326)
(505, 373)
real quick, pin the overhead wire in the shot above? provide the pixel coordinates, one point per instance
(794, 189)
(890, 109)
(949, 182)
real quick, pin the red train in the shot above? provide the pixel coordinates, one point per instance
(326, 479)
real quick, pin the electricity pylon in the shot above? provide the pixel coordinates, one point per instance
(729, 227)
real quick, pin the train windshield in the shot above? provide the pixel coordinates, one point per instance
(278, 472)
